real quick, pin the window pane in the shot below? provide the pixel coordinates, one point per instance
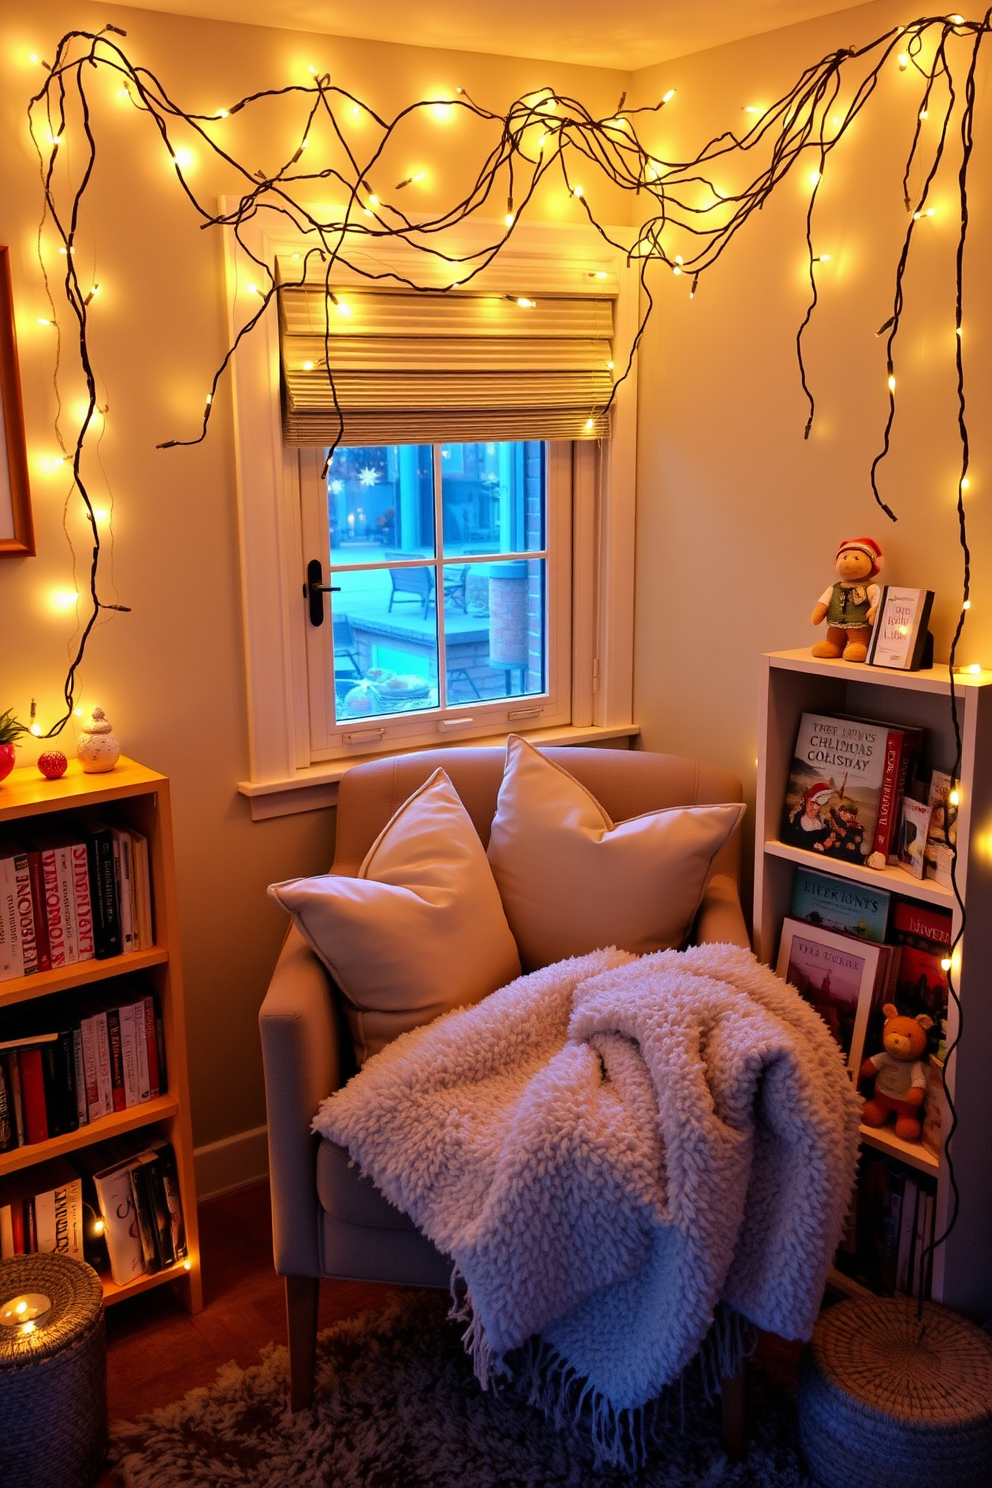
(493, 497)
(385, 642)
(494, 631)
(380, 503)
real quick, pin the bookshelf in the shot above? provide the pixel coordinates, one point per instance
(138, 798)
(793, 683)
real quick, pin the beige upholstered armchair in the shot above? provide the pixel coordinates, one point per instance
(327, 1219)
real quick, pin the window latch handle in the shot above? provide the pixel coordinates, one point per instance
(314, 590)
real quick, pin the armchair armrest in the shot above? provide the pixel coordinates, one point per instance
(302, 1064)
(720, 919)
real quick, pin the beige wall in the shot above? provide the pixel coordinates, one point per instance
(171, 674)
(738, 519)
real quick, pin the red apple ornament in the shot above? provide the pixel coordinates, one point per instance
(53, 764)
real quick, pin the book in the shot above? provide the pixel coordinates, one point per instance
(838, 975)
(838, 904)
(836, 780)
(37, 881)
(123, 879)
(899, 635)
(11, 948)
(116, 1202)
(942, 832)
(13, 1068)
(913, 831)
(144, 1207)
(85, 943)
(33, 1094)
(8, 1130)
(935, 1113)
(99, 840)
(170, 1183)
(58, 1209)
(143, 892)
(925, 926)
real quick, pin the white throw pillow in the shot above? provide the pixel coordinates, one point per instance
(571, 882)
(421, 929)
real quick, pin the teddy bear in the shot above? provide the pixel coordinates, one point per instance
(849, 606)
(900, 1076)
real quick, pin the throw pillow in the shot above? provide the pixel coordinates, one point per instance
(572, 882)
(421, 929)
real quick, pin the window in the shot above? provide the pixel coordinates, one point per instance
(486, 526)
(434, 500)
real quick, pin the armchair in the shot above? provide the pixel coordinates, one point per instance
(327, 1219)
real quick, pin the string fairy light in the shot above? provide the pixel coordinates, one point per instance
(799, 130)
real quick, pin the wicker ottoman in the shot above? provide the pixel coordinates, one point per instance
(53, 1374)
(889, 1401)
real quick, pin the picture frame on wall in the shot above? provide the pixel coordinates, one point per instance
(900, 637)
(16, 524)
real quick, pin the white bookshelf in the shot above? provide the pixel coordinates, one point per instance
(793, 683)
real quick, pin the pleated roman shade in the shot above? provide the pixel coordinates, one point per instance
(413, 367)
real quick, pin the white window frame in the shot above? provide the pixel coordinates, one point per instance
(471, 719)
(283, 777)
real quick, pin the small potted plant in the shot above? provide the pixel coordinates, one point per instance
(9, 731)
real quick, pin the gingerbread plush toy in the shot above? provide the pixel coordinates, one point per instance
(900, 1078)
(849, 606)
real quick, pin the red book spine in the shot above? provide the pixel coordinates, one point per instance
(53, 908)
(888, 801)
(17, 1225)
(116, 1058)
(33, 1095)
(40, 917)
(154, 1076)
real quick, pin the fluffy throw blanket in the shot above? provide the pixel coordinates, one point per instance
(608, 1149)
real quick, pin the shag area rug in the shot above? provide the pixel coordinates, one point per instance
(397, 1406)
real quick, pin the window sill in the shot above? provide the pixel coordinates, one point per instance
(316, 788)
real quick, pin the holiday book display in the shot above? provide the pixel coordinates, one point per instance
(852, 795)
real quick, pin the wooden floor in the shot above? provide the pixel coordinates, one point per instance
(156, 1351)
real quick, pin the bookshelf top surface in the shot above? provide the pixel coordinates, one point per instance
(26, 792)
(935, 679)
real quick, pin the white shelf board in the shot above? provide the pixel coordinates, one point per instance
(936, 679)
(896, 880)
(914, 1153)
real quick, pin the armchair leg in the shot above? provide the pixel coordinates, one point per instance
(301, 1314)
(734, 1424)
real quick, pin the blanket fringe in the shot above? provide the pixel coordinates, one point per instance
(622, 1436)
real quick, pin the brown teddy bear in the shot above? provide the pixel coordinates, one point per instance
(900, 1076)
(849, 607)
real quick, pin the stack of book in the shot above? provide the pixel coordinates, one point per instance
(130, 1188)
(848, 949)
(73, 893)
(846, 787)
(890, 1229)
(65, 1063)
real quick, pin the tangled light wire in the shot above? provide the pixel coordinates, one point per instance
(541, 132)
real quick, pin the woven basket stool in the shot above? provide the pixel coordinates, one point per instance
(53, 1379)
(888, 1401)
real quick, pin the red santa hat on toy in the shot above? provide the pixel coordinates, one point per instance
(869, 547)
(817, 795)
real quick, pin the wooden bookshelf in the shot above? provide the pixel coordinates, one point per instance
(793, 683)
(136, 797)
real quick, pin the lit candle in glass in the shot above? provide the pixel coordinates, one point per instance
(25, 1312)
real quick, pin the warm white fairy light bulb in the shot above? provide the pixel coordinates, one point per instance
(903, 61)
(892, 384)
(667, 97)
(814, 178)
(955, 795)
